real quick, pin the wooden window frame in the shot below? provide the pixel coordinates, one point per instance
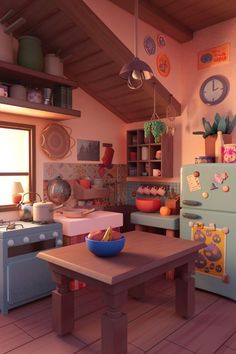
(32, 159)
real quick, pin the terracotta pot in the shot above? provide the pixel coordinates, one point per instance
(210, 143)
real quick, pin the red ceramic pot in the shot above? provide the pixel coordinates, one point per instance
(149, 205)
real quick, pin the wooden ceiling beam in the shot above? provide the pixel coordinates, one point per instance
(158, 19)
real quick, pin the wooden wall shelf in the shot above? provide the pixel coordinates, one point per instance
(142, 166)
(16, 74)
(12, 106)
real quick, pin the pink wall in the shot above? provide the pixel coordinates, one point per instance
(185, 79)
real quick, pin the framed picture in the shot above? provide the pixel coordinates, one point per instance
(88, 150)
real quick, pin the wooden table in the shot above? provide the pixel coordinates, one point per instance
(144, 257)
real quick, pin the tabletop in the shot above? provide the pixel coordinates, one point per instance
(142, 252)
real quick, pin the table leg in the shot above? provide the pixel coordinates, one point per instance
(62, 305)
(185, 290)
(170, 274)
(114, 325)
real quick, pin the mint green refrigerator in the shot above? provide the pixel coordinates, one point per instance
(208, 214)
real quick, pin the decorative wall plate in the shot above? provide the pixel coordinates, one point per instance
(149, 45)
(161, 41)
(56, 141)
(163, 64)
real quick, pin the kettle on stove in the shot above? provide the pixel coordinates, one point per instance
(26, 208)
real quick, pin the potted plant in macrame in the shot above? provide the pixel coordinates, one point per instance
(210, 133)
(156, 127)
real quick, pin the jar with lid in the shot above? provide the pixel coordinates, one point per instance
(30, 53)
(53, 65)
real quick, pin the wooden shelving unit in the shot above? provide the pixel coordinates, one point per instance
(16, 74)
(138, 167)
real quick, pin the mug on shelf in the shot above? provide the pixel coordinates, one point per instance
(3, 90)
(156, 172)
(35, 95)
(18, 92)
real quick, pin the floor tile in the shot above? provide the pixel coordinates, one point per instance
(166, 347)
(37, 325)
(209, 330)
(12, 337)
(95, 348)
(51, 344)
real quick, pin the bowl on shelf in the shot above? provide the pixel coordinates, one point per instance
(105, 248)
(148, 205)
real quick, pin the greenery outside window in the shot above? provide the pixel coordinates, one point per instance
(17, 160)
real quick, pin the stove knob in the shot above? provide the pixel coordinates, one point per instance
(42, 237)
(10, 243)
(26, 239)
(55, 234)
(59, 242)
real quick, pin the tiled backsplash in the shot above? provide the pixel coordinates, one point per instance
(120, 191)
(114, 178)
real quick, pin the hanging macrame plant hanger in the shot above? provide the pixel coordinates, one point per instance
(170, 115)
(154, 125)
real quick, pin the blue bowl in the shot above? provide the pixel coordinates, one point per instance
(105, 248)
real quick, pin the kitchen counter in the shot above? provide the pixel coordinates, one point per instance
(98, 220)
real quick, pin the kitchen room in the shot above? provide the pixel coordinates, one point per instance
(97, 123)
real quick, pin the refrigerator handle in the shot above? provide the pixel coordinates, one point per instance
(191, 216)
(191, 202)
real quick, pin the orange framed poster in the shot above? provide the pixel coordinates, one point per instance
(213, 56)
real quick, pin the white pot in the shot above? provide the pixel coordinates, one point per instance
(43, 211)
(6, 48)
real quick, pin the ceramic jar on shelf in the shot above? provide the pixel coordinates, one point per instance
(53, 65)
(30, 53)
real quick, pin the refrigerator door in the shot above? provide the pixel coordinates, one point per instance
(209, 186)
(216, 264)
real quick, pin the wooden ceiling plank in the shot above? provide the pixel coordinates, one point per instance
(104, 103)
(158, 20)
(81, 15)
(83, 73)
(97, 73)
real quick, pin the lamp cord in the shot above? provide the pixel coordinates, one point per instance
(136, 28)
(154, 115)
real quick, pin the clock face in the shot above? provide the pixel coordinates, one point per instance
(214, 89)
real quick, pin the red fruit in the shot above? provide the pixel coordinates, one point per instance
(96, 235)
(116, 235)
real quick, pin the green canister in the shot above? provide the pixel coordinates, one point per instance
(30, 53)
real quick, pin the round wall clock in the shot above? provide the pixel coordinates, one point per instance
(214, 89)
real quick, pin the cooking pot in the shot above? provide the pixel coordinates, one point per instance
(43, 212)
(26, 208)
(59, 190)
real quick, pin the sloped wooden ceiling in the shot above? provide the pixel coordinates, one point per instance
(181, 18)
(93, 55)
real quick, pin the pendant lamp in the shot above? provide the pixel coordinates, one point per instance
(137, 70)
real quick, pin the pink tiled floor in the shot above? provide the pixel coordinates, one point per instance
(153, 325)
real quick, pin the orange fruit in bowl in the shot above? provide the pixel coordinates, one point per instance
(165, 211)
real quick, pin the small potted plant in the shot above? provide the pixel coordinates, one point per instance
(156, 127)
(210, 133)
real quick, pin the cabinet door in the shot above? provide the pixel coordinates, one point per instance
(27, 279)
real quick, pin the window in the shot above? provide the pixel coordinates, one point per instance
(17, 160)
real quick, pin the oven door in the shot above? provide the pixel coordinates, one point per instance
(28, 278)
